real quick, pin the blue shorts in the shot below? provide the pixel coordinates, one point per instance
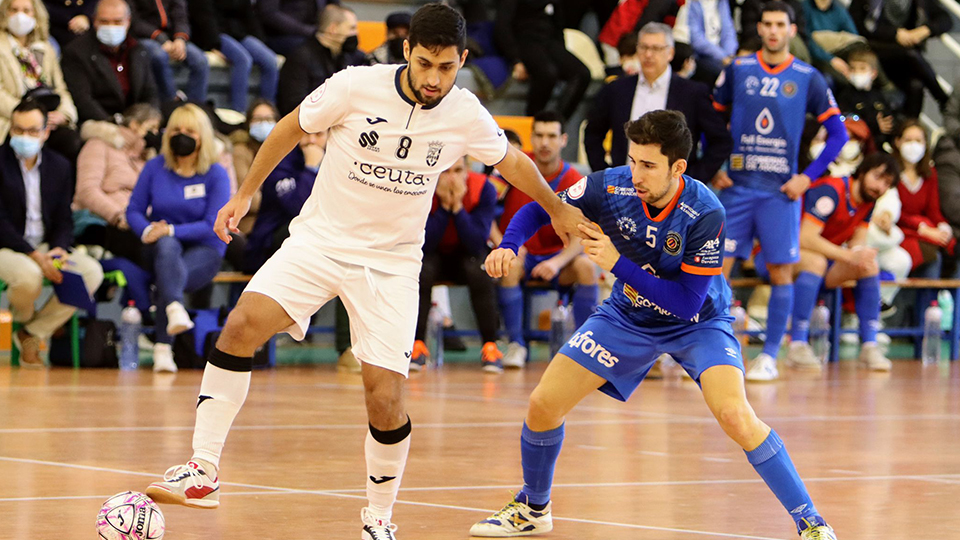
(771, 217)
(621, 352)
(531, 261)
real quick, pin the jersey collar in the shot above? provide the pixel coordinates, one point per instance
(412, 103)
(670, 206)
(776, 70)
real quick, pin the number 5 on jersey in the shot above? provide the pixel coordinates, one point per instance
(652, 236)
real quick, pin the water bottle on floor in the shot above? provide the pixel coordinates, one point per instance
(435, 334)
(558, 328)
(739, 322)
(930, 354)
(130, 323)
(820, 332)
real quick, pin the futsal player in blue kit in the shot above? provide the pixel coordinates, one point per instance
(768, 96)
(661, 234)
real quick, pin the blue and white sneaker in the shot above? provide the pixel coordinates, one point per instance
(515, 519)
(375, 528)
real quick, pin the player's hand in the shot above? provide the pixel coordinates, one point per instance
(565, 221)
(865, 259)
(721, 180)
(499, 261)
(796, 186)
(598, 247)
(230, 215)
(885, 123)
(546, 270)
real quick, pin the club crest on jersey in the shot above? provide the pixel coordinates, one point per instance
(627, 226)
(751, 84)
(433, 153)
(577, 190)
(764, 123)
(789, 89)
(673, 243)
(318, 93)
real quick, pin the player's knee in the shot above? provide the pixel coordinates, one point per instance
(736, 418)
(813, 263)
(236, 331)
(584, 270)
(780, 274)
(542, 410)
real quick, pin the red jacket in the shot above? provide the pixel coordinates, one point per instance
(545, 241)
(920, 207)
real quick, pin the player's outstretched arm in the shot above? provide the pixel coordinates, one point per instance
(278, 144)
(520, 171)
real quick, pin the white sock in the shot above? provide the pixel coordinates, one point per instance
(222, 393)
(385, 463)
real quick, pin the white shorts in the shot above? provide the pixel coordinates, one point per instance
(383, 307)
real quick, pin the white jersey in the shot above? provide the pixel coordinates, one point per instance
(384, 155)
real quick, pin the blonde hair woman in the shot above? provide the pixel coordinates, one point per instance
(28, 61)
(172, 209)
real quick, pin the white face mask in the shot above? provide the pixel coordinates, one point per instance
(913, 151)
(850, 151)
(816, 149)
(861, 81)
(21, 24)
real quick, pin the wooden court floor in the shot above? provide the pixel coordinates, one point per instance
(880, 454)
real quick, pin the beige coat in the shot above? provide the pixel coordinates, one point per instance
(107, 169)
(11, 81)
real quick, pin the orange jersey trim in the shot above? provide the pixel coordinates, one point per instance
(670, 206)
(777, 70)
(813, 219)
(696, 270)
(832, 111)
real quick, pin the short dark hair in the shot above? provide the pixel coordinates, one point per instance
(547, 115)
(627, 46)
(512, 137)
(665, 128)
(779, 6)
(28, 105)
(876, 160)
(438, 26)
(864, 55)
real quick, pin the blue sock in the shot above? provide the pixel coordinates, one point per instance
(866, 296)
(539, 451)
(511, 309)
(778, 311)
(805, 291)
(584, 302)
(773, 464)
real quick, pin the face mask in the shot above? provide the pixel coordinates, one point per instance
(112, 36)
(153, 140)
(395, 48)
(913, 151)
(260, 130)
(850, 151)
(182, 144)
(816, 149)
(631, 67)
(861, 81)
(21, 24)
(350, 44)
(24, 146)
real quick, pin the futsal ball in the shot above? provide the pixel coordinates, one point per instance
(130, 516)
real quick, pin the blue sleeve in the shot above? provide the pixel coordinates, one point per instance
(473, 227)
(698, 37)
(820, 101)
(705, 241)
(140, 199)
(523, 225)
(821, 201)
(587, 195)
(836, 138)
(436, 225)
(682, 297)
(723, 93)
(218, 193)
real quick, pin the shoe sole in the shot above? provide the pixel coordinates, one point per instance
(163, 495)
(178, 329)
(495, 534)
(876, 368)
(492, 369)
(805, 367)
(748, 378)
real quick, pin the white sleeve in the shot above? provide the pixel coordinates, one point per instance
(487, 142)
(327, 105)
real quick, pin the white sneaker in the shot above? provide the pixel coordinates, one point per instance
(163, 359)
(883, 340)
(515, 519)
(823, 532)
(375, 528)
(178, 320)
(763, 368)
(800, 356)
(516, 356)
(873, 359)
(188, 485)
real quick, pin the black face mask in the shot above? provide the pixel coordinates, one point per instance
(350, 45)
(182, 144)
(153, 140)
(395, 49)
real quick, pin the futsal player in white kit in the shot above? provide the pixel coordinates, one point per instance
(393, 130)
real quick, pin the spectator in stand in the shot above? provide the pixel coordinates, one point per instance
(656, 87)
(108, 70)
(36, 230)
(832, 35)
(163, 28)
(69, 19)
(897, 31)
(710, 31)
(231, 30)
(107, 171)
(262, 117)
(290, 23)
(543, 257)
(29, 66)
(885, 236)
(684, 64)
(750, 12)
(454, 248)
(575, 10)
(529, 34)
(946, 157)
(172, 209)
(334, 47)
(628, 18)
(864, 98)
(859, 144)
(391, 51)
(283, 194)
(924, 227)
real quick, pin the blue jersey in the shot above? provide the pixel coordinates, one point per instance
(768, 108)
(686, 236)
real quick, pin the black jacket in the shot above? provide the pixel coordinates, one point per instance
(520, 21)
(93, 84)
(611, 110)
(880, 29)
(56, 194)
(307, 68)
(291, 17)
(61, 12)
(210, 18)
(161, 20)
